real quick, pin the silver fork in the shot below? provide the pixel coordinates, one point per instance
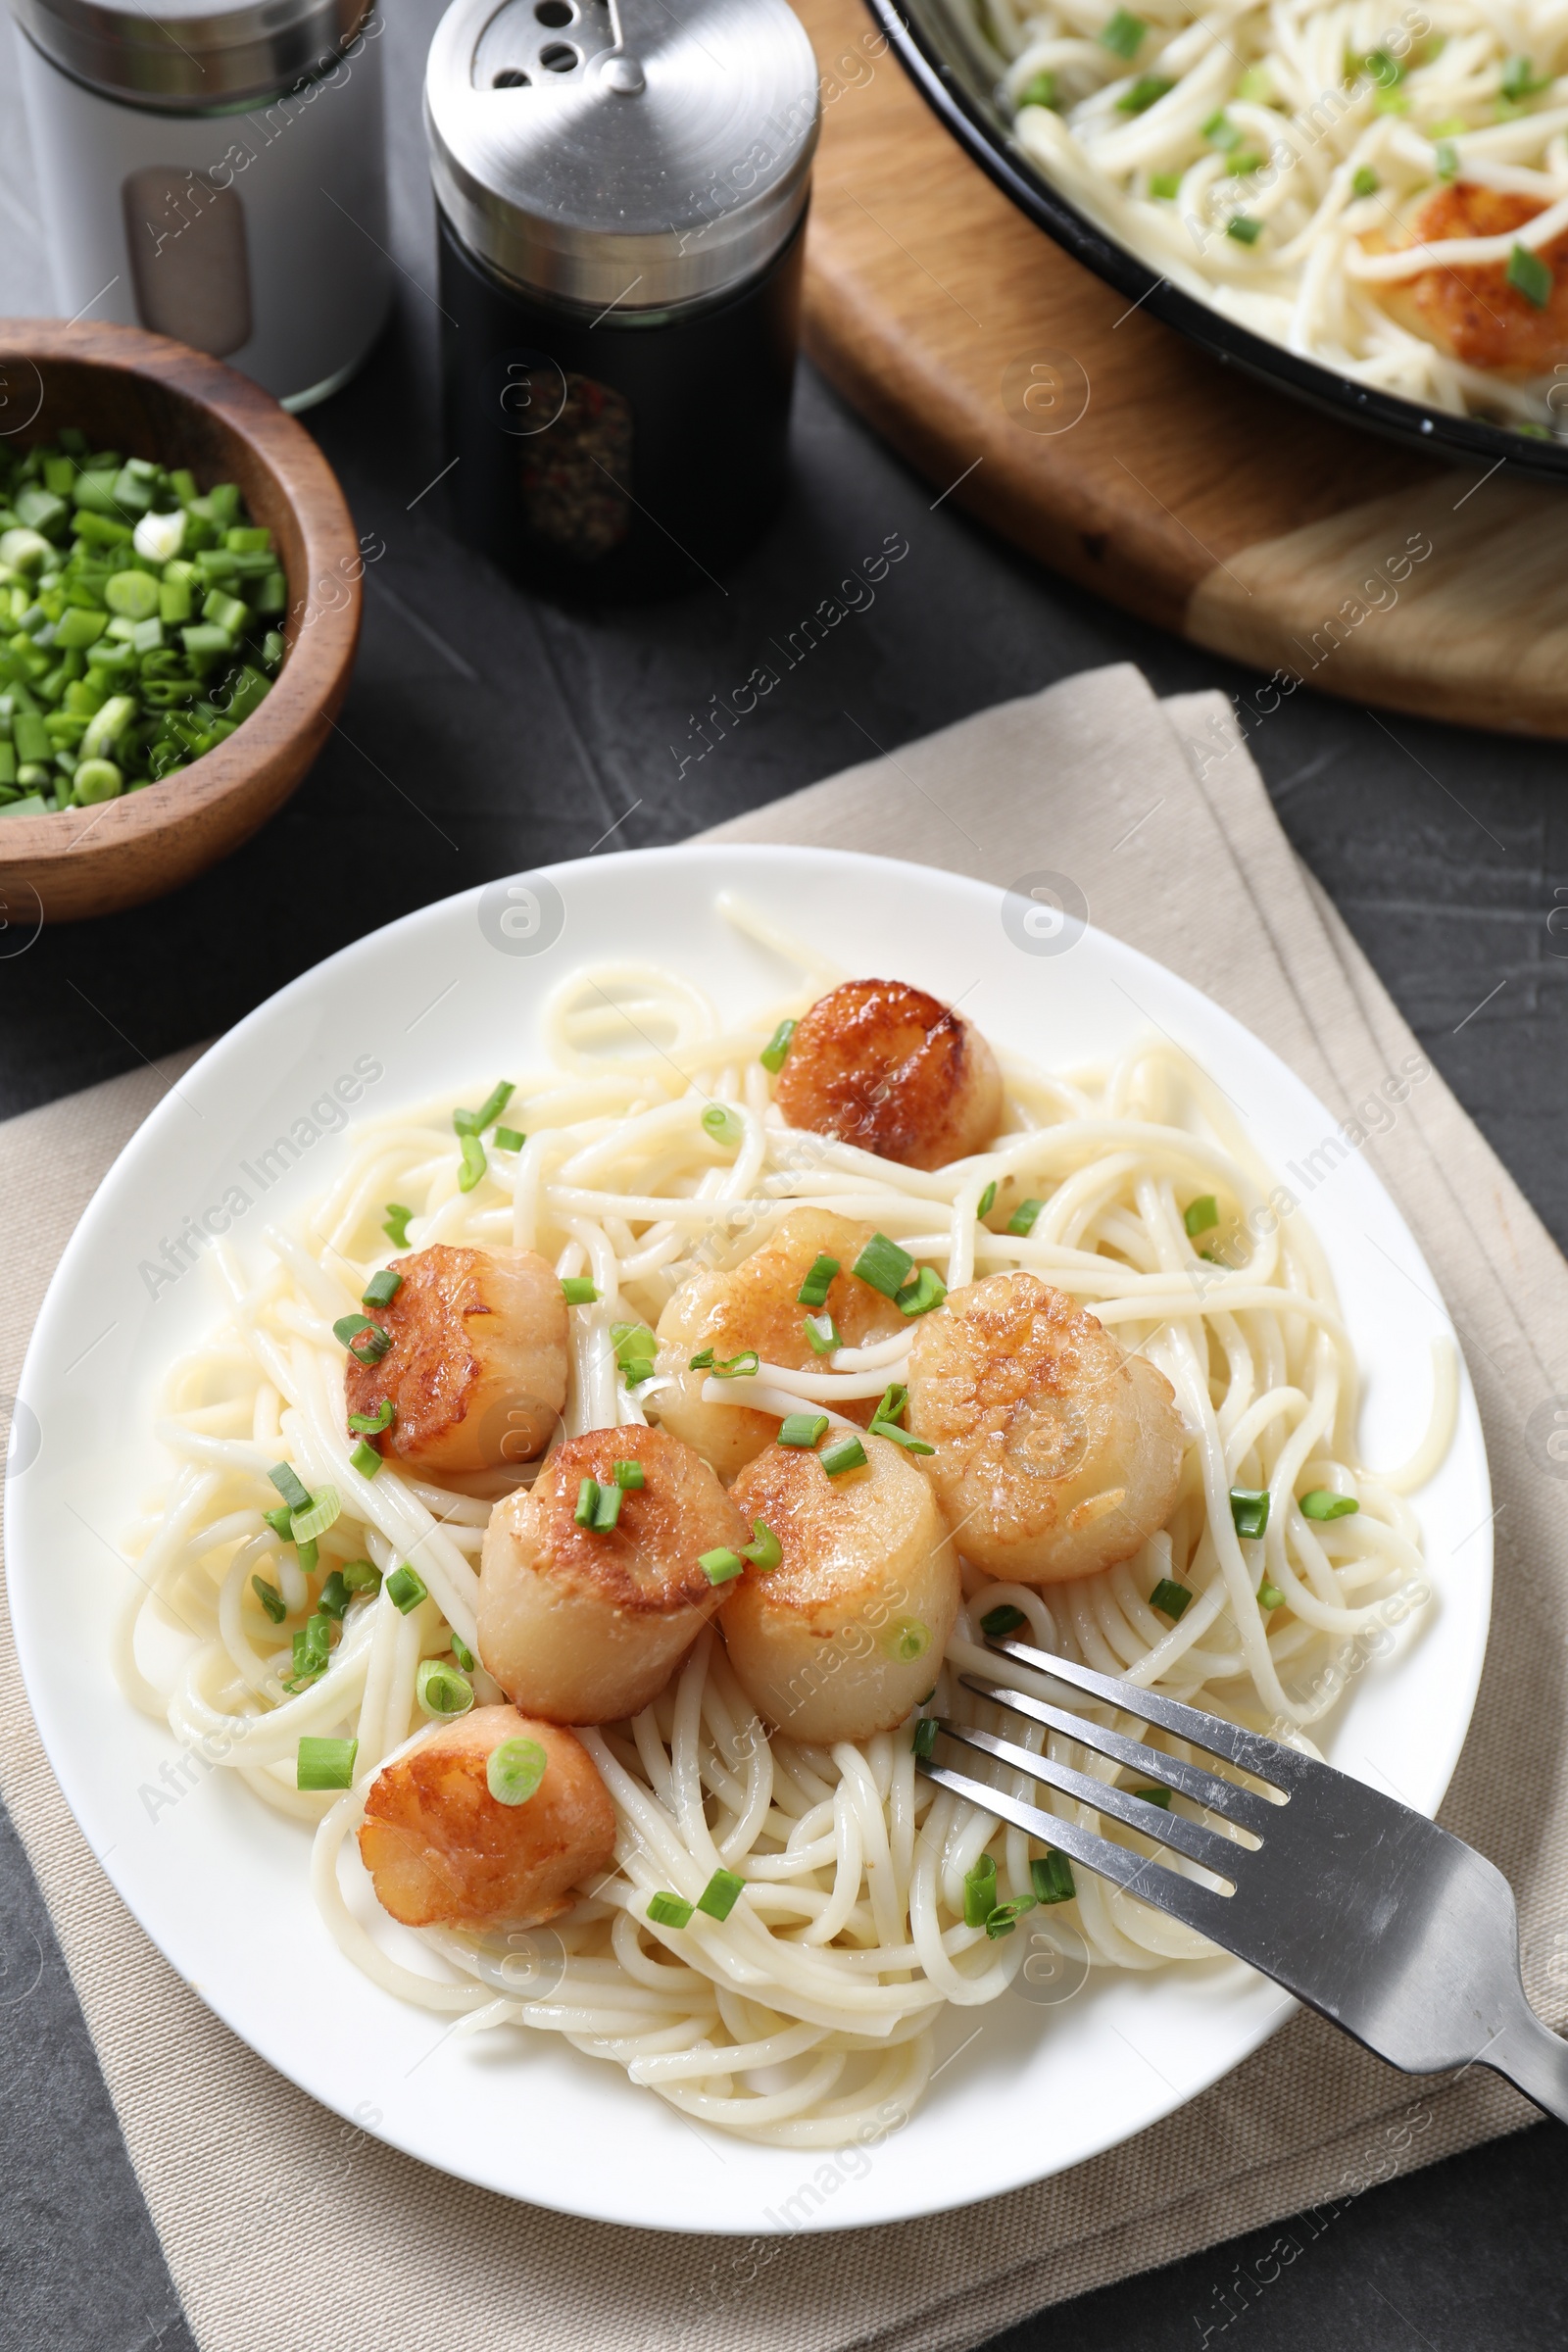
(1367, 1912)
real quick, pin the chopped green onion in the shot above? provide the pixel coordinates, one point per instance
(1257, 85)
(308, 1553)
(366, 1458)
(1050, 1874)
(320, 1514)
(1269, 1597)
(737, 1367)
(1022, 1220)
(1324, 1503)
(371, 1425)
(847, 1453)
(495, 1102)
(1446, 155)
(1164, 184)
(508, 1139)
(629, 1476)
(312, 1652)
(1170, 1597)
(802, 1429)
(764, 1551)
(270, 1598)
(907, 1641)
(325, 1763)
(883, 1266)
(1244, 228)
(667, 1910)
(884, 1421)
(513, 1771)
(925, 1737)
(578, 1291)
(1124, 34)
(443, 1689)
(721, 1565)
(1201, 1215)
(462, 1653)
(587, 1503)
(1250, 1511)
(1038, 90)
(1221, 133)
(1006, 1917)
(1004, 1619)
(360, 1576)
(474, 1162)
(777, 1047)
(1143, 93)
(288, 1483)
(1529, 276)
(636, 1350)
(701, 1361)
(365, 1342)
(720, 1896)
(815, 1288)
(1520, 80)
(607, 1507)
(920, 1297)
(988, 1199)
(381, 1289)
(822, 1334)
(406, 1588)
(892, 1401)
(1365, 182)
(724, 1125)
(281, 1522)
(1153, 1796)
(980, 1892)
(334, 1599)
(396, 1227)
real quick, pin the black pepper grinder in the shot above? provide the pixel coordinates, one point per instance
(621, 198)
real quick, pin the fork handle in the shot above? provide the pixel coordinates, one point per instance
(1533, 2059)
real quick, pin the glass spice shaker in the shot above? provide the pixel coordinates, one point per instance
(621, 194)
(214, 170)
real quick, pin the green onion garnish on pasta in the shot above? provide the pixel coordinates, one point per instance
(1038, 90)
(920, 1297)
(1153, 1796)
(1124, 34)
(270, 1598)
(1201, 1215)
(508, 1139)
(889, 1414)
(1144, 92)
(720, 1566)
(360, 1576)
(744, 1366)
(371, 1425)
(802, 1429)
(846, 1453)
(1004, 1619)
(883, 1265)
(720, 1896)
(334, 1599)
(1250, 1511)
(1244, 228)
(406, 1588)
(325, 1763)
(462, 1653)
(396, 1227)
(280, 1522)
(1170, 1597)
(1529, 276)
(629, 1476)
(822, 1335)
(513, 1771)
(381, 1289)
(701, 1361)
(365, 1342)
(724, 1125)
(773, 1053)
(587, 1501)
(988, 1199)
(1269, 1597)
(1165, 184)
(1365, 182)
(815, 1288)
(925, 1737)
(578, 1291)
(1022, 1220)
(764, 1551)
(475, 1123)
(907, 1641)
(1051, 1875)
(364, 1460)
(318, 1515)
(312, 1653)
(980, 1892)
(474, 1164)
(667, 1910)
(443, 1689)
(606, 1508)
(286, 1479)
(636, 1350)
(1006, 1917)
(1324, 1503)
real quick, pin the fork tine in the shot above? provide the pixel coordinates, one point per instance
(1189, 1838)
(1283, 1767)
(1184, 1898)
(1243, 1805)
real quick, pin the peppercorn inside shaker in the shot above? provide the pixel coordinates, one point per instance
(214, 170)
(622, 197)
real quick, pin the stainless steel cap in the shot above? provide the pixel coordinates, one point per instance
(191, 56)
(642, 161)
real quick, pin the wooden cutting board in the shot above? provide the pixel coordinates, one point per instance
(1104, 444)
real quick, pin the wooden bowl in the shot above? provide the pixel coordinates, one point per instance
(156, 399)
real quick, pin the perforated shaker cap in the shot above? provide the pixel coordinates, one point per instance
(615, 155)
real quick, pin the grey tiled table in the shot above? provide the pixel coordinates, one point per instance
(485, 733)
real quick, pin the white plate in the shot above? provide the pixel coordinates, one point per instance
(447, 999)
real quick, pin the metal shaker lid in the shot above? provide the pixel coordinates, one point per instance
(191, 56)
(622, 154)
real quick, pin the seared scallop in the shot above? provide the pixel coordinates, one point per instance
(1057, 1453)
(845, 1636)
(758, 1307)
(442, 1849)
(476, 1372)
(887, 1067)
(585, 1624)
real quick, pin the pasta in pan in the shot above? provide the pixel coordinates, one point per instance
(596, 1741)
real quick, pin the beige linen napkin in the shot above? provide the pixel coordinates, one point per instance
(1161, 818)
